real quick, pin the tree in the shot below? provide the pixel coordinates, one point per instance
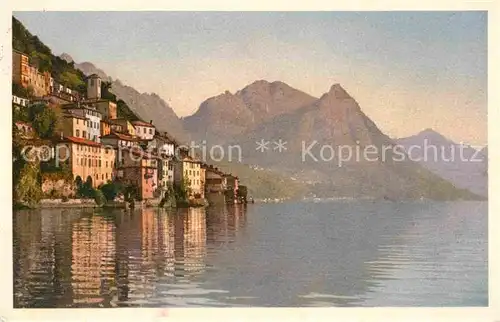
(183, 189)
(71, 79)
(28, 189)
(242, 193)
(99, 198)
(35, 110)
(19, 91)
(123, 110)
(19, 114)
(106, 91)
(45, 123)
(42, 61)
(85, 189)
(88, 183)
(78, 182)
(112, 189)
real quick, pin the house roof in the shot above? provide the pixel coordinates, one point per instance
(21, 123)
(70, 113)
(82, 141)
(213, 169)
(136, 151)
(189, 159)
(141, 123)
(120, 136)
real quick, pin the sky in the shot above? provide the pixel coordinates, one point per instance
(408, 70)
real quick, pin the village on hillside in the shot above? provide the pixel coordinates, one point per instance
(97, 151)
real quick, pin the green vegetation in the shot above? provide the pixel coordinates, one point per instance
(122, 109)
(182, 192)
(229, 195)
(112, 189)
(41, 56)
(28, 190)
(20, 91)
(242, 193)
(45, 123)
(168, 199)
(99, 198)
(84, 189)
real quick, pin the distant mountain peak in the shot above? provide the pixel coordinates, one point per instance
(338, 92)
(428, 131)
(337, 96)
(66, 57)
(433, 135)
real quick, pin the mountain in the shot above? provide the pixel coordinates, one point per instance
(335, 123)
(148, 106)
(66, 57)
(461, 165)
(226, 115)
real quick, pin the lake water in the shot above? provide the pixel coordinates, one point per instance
(345, 253)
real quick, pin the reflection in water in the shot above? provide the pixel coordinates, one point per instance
(295, 254)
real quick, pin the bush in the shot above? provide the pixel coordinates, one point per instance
(84, 190)
(99, 198)
(111, 190)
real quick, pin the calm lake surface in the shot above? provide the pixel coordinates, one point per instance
(345, 253)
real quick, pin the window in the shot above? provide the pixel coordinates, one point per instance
(143, 130)
(106, 175)
(77, 133)
(106, 164)
(102, 176)
(99, 163)
(76, 121)
(84, 134)
(150, 131)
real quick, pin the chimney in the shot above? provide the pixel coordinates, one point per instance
(150, 121)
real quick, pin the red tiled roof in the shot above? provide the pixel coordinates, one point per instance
(23, 123)
(74, 139)
(140, 123)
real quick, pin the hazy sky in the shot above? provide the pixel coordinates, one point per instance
(408, 71)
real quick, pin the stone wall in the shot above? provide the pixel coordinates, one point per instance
(57, 188)
(70, 203)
